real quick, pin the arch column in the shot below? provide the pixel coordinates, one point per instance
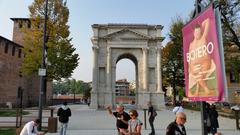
(159, 72)
(109, 66)
(94, 93)
(144, 96)
(158, 96)
(113, 82)
(108, 93)
(145, 71)
(95, 69)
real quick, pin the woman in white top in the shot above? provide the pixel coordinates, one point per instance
(30, 128)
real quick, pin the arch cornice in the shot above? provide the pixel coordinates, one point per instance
(121, 25)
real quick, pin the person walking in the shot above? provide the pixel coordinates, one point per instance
(30, 128)
(177, 108)
(213, 115)
(88, 101)
(152, 114)
(64, 112)
(134, 124)
(207, 121)
(177, 127)
(121, 116)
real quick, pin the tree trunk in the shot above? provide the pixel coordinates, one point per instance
(174, 94)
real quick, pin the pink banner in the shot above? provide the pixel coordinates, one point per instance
(202, 63)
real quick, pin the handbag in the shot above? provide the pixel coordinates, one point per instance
(154, 113)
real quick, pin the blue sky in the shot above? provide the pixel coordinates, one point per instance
(84, 13)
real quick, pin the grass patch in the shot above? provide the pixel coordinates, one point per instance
(10, 113)
(7, 131)
(192, 107)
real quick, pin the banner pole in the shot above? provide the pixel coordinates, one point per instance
(202, 103)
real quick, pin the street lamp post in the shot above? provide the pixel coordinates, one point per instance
(42, 70)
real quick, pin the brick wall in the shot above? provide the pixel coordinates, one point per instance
(11, 57)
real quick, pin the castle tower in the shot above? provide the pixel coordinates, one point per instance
(19, 24)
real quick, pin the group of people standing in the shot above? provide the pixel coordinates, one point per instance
(129, 123)
(126, 123)
(210, 115)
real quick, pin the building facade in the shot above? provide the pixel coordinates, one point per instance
(122, 88)
(123, 92)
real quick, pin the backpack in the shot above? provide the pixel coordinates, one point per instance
(154, 113)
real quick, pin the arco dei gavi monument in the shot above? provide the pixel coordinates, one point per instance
(139, 43)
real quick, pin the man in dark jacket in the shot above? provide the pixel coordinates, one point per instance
(64, 112)
(177, 127)
(213, 115)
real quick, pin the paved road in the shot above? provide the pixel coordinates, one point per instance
(85, 121)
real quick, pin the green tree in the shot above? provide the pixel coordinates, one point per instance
(230, 10)
(61, 59)
(172, 58)
(72, 86)
(60, 87)
(232, 65)
(86, 88)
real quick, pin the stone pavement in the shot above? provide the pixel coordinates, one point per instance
(85, 121)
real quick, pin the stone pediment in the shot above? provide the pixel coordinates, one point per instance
(126, 34)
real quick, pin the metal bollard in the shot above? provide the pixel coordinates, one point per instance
(145, 119)
(237, 119)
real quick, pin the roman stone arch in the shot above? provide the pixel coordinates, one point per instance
(138, 42)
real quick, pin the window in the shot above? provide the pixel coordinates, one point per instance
(13, 50)
(19, 53)
(6, 48)
(29, 25)
(20, 25)
(234, 78)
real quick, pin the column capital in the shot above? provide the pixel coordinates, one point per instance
(144, 49)
(158, 48)
(95, 47)
(109, 49)
(94, 40)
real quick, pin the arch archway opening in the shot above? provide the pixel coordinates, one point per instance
(126, 79)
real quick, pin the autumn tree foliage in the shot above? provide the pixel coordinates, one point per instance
(61, 58)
